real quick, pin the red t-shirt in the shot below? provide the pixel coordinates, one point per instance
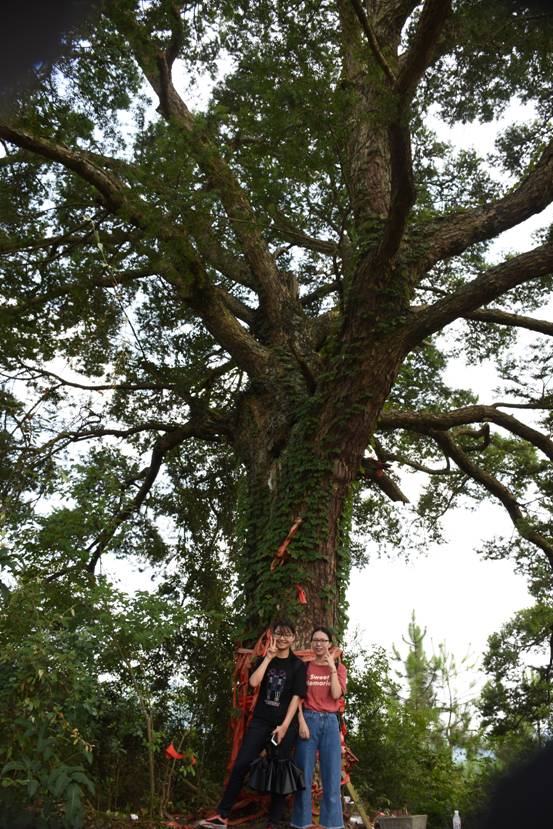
(318, 696)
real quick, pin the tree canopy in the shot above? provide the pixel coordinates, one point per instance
(223, 313)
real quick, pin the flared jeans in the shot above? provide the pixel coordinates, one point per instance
(324, 737)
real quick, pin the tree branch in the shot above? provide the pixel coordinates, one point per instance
(545, 403)
(373, 40)
(42, 372)
(163, 445)
(112, 281)
(212, 307)
(8, 245)
(454, 233)
(236, 306)
(206, 428)
(177, 32)
(419, 467)
(403, 192)
(497, 489)
(480, 291)
(107, 185)
(194, 288)
(413, 65)
(291, 232)
(424, 47)
(320, 293)
(425, 421)
(374, 472)
(499, 317)
(218, 173)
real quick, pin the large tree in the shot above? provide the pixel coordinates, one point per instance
(251, 289)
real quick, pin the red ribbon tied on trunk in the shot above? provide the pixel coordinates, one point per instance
(280, 553)
(302, 598)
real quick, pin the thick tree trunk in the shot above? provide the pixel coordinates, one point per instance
(302, 459)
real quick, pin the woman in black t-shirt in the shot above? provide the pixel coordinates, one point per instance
(281, 677)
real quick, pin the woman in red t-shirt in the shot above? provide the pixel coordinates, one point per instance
(319, 730)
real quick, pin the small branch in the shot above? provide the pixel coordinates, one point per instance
(373, 41)
(204, 428)
(419, 467)
(545, 403)
(89, 433)
(424, 47)
(162, 446)
(8, 245)
(320, 293)
(213, 308)
(112, 281)
(497, 489)
(130, 387)
(211, 376)
(177, 33)
(236, 306)
(498, 317)
(290, 231)
(374, 471)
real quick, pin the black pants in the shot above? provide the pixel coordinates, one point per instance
(255, 739)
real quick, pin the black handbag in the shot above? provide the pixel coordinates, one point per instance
(271, 775)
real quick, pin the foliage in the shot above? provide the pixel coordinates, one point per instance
(516, 700)
(404, 761)
(93, 689)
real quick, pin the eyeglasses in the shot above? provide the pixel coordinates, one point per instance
(280, 635)
(319, 641)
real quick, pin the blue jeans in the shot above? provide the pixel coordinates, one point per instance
(324, 737)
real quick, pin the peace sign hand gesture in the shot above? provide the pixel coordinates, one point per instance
(330, 656)
(272, 649)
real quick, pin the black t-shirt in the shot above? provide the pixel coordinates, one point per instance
(283, 679)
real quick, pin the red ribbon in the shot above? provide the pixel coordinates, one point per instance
(172, 752)
(279, 556)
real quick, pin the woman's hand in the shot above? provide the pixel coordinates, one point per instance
(272, 649)
(279, 732)
(304, 730)
(330, 656)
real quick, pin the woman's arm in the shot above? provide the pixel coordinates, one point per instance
(335, 687)
(281, 729)
(257, 677)
(336, 690)
(304, 728)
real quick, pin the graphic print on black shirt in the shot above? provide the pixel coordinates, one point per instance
(284, 678)
(276, 680)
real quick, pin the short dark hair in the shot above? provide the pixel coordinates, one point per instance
(324, 629)
(284, 623)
